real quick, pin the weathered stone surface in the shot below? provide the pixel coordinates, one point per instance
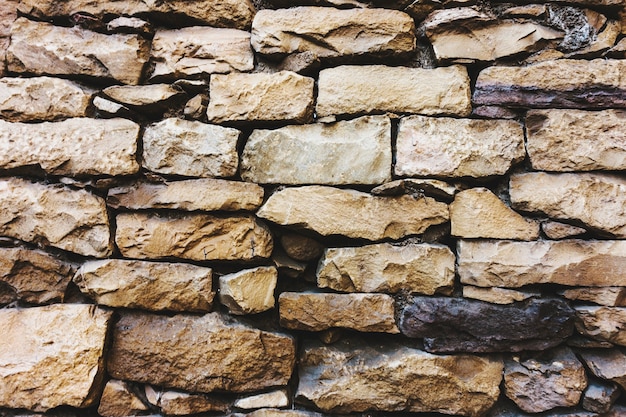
(505, 409)
(147, 285)
(76, 146)
(596, 200)
(200, 51)
(301, 248)
(320, 311)
(176, 403)
(270, 412)
(205, 194)
(576, 140)
(479, 213)
(330, 32)
(565, 262)
(43, 49)
(497, 295)
(144, 97)
(439, 190)
(249, 291)
(284, 96)
(272, 399)
(42, 98)
(557, 230)
(198, 237)
(348, 152)
(544, 381)
(286, 265)
(52, 356)
(347, 90)
(107, 108)
(602, 323)
(495, 112)
(199, 354)
(118, 400)
(416, 268)
(333, 211)
(600, 397)
(566, 83)
(608, 296)
(391, 377)
(183, 147)
(607, 364)
(448, 147)
(459, 325)
(73, 220)
(8, 14)
(125, 24)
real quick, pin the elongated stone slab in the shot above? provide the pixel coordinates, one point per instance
(390, 377)
(52, 356)
(333, 211)
(199, 354)
(349, 152)
(607, 296)
(602, 323)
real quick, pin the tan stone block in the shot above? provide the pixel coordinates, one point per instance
(602, 323)
(497, 295)
(557, 230)
(118, 400)
(176, 403)
(607, 296)
(145, 97)
(249, 291)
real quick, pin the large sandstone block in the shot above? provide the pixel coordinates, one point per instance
(447, 147)
(72, 220)
(199, 353)
(349, 152)
(602, 323)
(41, 48)
(333, 211)
(351, 376)
(52, 356)
(78, 146)
(330, 32)
(199, 237)
(354, 90)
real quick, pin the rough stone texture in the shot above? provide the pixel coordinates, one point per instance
(72, 220)
(497, 295)
(301, 248)
(272, 399)
(351, 376)
(43, 49)
(348, 152)
(439, 190)
(333, 211)
(566, 83)
(199, 354)
(78, 146)
(608, 296)
(147, 285)
(447, 147)
(576, 140)
(416, 268)
(176, 403)
(107, 108)
(288, 266)
(52, 356)
(459, 325)
(183, 147)
(607, 364)
(125, 24)
(596, 200)
(479, 213)
(602, 323)
(144, 97)
(32, 276)
(320, 311)
(249, 291)
(8, 13)
(200, 51)
(42, 98)
(329, 32)
(198, 237)
(600, 397)
(557, 230)
(565, 262)
(270, 412)
(118, 400)
(544, 381)
(284, 96)
(204, 194)
(377, 88)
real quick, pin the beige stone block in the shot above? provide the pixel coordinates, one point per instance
(272, 399)
(144, 97)
(177, 403)
(557, 230)
(118, 400)
(602, 323)
(249, 291)
(607, 296)
(497, 295)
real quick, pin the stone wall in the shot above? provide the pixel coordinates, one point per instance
(374, 208)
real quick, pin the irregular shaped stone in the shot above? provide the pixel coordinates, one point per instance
(301, 248)
(544, 381)
(183, 147)
(494, 112)
(390, 377)
(566, 262)
(459, 325)
(77, 146)
(8, 14)
(314, 312)
(557, 230)
(284, 96)
(607, 364)
(270, 412)
(600, 397)
(439, 190)
(199, 237)
(568, 83)
(415, 268)
(596, 200)
(107, 109)
(144, 97)
(72, 220)
(118, 400)
(497, 295)
(61, 340)
(199, 353)
(509, 410)
(602, 323)
(272, 399)
(195, 108)
(348, 152)
(249, 291)
(448, 147)
(330, 32)
(287, 266)
(177, 403)
(354, 90)
(333, 211)
(608, 296)
(147, 285)
(200, 51)
(43, 49)
(204, 194)
(125, 24)
(604, 40)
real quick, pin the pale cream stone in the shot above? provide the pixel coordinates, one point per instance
(249, 291)
(557, 230)
(497, 295)
(118, 400)
(8, 14)
(272, 399)
(607, 296)
(143, 96)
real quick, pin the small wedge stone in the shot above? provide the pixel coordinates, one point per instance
(497, 295)
(118, 400)
(607, 296)
(557, 230)
(249, 291)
